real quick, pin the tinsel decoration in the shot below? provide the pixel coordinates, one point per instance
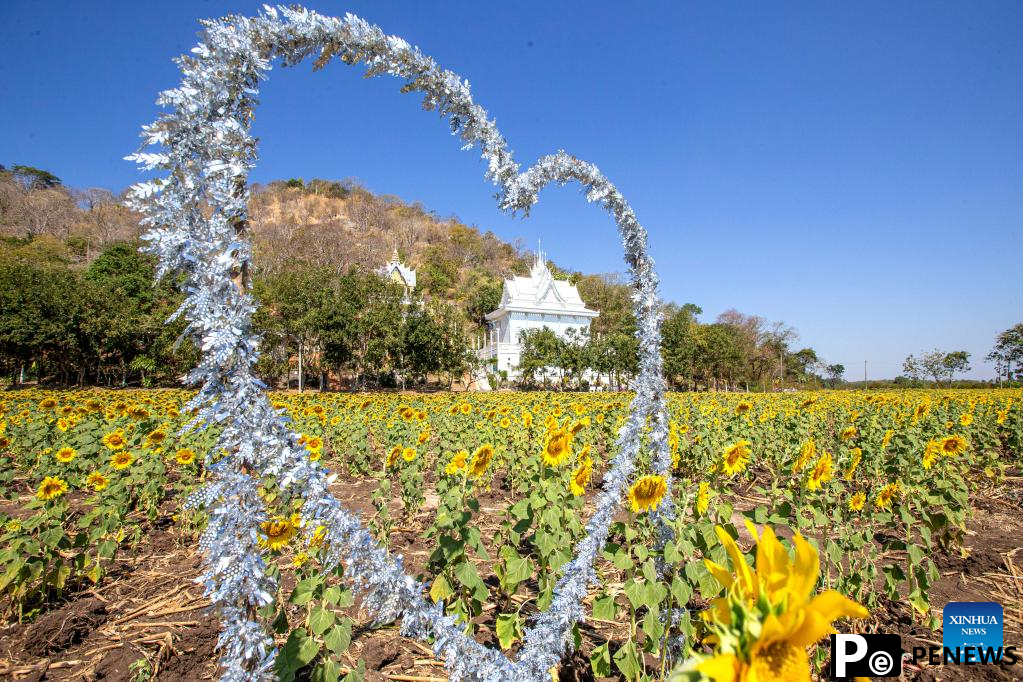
(196, 220)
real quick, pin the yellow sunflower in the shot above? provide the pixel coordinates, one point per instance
(848, 433)
(646, 493)
(822, 472)
(97, 481)
(115, 440)
(807, 451)
(736, 457)
(481, 460)
(458, 464)
(581, 477)
(51, 488)
(703, 494)
(65, 454)
(392, 456)
(558, 448)
(951, 446)
(770, 615)
(408, 454)
(185, 456)
(887, 495)
(857, 501)
(122, 460)
(277, 532)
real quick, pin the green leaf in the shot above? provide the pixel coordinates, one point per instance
(441, 589)
(627, 660)
(339, 638)
(604, 607)
(600, 661)
(320, 619)
(509, 629)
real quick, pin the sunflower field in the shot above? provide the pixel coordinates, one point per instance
(485, 495)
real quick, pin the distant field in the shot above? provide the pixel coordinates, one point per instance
(912, 498)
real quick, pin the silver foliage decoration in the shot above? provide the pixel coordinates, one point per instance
(196, 218)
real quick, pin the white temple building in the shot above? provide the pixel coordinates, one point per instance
(531, 302)
(400, 273)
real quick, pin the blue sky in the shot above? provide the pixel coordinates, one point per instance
(854, 169)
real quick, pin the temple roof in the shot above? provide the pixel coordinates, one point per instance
(407, 274)
(541, 293)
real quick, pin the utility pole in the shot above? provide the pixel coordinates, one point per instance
(864, 375)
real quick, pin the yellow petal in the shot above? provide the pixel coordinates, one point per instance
(747, 579)
(772, 564)
(751, 527)
(803, 578)
(834, 605)
(721, 668)
(722, 574)
(820, 613)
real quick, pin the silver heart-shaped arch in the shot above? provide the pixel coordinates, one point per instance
(196, 219)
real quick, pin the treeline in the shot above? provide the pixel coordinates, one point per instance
(77, 303)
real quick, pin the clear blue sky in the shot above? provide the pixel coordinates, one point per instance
(854, 169)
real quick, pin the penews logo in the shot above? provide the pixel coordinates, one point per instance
(971, 629)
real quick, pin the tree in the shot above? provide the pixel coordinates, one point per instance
(835, 373)
(540, 351)
(1008, 352)
(678, 344)
(937, 365)
(956, 362)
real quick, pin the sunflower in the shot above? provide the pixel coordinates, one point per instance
(770, 615)
(931, 452)
(736, 457)
(51, 487)
(277, 532)
(887, 438)
(822, 472)
(115, 440)
(155, 437)
(581, 477)
(466, 408)
(392, 456)
(313, 443)
(743, 407)
(857, 501)
(481, 460)
(185, 456)
(409, 454)
(886, 496)
(703, 498)
(122, 460)
(558, 448)
(458, 464)
(806, 453)
(319, 535)
(97, 481)
(646, 493)
(527, 419)
(65, 454)
(966, 418)
(848, 433)
(857, 457)
(504, 423)
(423, 437)
(951, 446)
(47, 404)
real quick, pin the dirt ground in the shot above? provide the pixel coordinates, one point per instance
(149, 608)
